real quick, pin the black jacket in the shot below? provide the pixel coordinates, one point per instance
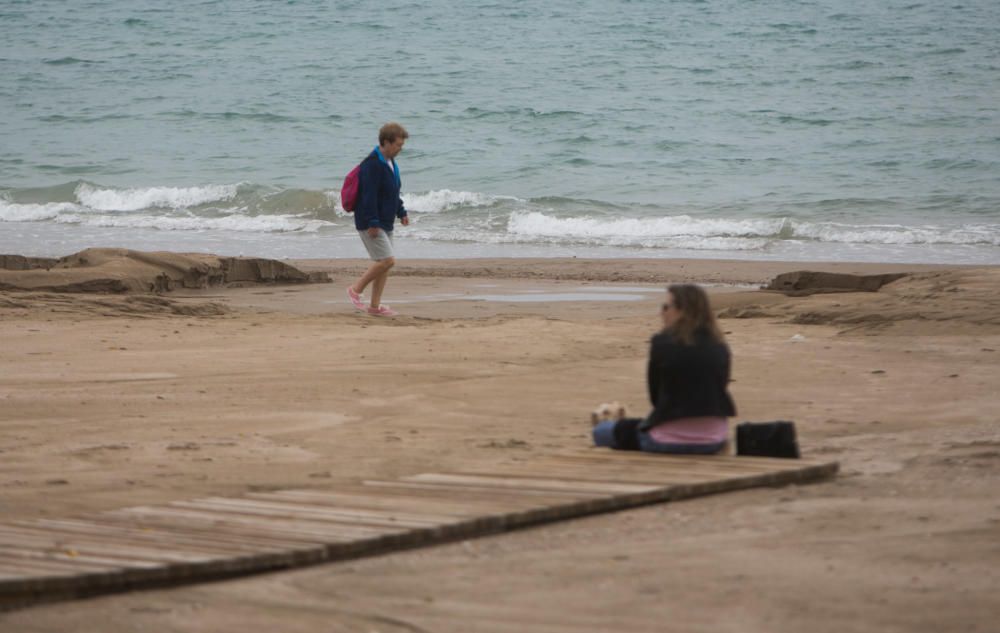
(687, 380)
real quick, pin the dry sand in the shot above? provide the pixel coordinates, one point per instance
(115, 400)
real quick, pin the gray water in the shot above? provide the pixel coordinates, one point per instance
(840, 130)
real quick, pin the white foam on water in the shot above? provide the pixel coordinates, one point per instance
(667, 232)
(445, 199)
(741, 234)
(535, 223)
(984, 234)
(106, 199)
(486, 223)
(237, 223)
(14, 212)
(470, 236)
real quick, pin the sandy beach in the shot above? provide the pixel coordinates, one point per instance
(111, 400)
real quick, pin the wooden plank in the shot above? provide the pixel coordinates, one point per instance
(365, 499)
(700, 462)
(416, 534)
(250, 539)
(490, 502)
(290, 509)
(336, 540)
(17, 575)
(393, 515)
(531, 498)
(259, 545)
(309, 547)
(490, 496)
(563, 496)
(684, 469)
(38, 567)
(236, 507)
(607, 473)
(14, 538)
(660, 470)
(206, 543)
(234, 526)
(561, 485)
(111, 548)
(45, 564)
(80, 560)
(318, 533)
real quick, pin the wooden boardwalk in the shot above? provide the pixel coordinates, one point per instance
(215, 537)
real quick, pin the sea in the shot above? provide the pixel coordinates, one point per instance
(810, 130)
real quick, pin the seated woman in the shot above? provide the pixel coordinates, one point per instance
(688, 376)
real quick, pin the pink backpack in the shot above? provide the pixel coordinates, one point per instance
(349, 190)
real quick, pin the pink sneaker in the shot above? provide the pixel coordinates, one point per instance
(382, 311)
(355, 298)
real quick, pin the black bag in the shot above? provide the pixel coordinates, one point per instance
(767, 439)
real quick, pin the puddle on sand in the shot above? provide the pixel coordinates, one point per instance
(530, 296)
(580, 293)
(627, 289)
(548, 297)
(536, 295)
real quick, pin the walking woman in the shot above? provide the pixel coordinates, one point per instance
(376, 211)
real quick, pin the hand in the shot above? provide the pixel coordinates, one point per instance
(405, 220)
(373, 232)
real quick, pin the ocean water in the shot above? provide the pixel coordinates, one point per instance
(772, 129)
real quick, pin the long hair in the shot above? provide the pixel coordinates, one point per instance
(696, 315)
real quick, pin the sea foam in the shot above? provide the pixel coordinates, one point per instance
(107, 199)
(536, 223)
(14, 212)
(893, 234)
(446, 199)
(230, 223)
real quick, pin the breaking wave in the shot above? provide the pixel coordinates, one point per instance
(445, 215)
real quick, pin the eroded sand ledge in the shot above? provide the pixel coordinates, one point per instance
(119, 270)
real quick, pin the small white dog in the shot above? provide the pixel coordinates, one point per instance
(606, 411)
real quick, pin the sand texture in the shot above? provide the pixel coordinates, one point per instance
(130, 397)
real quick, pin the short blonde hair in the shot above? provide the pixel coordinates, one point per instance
(390, 132)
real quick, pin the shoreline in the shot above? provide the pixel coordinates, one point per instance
(651, 270)
(16, 236)
(113, 270)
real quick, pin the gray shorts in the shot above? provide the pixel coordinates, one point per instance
(380, 247)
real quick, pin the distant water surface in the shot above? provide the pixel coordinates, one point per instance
(774, 129)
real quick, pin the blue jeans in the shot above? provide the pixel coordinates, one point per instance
(625, 435)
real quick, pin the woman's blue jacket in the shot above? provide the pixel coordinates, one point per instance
(378, 202)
